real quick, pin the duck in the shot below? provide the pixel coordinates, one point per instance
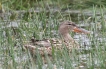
(46, 45)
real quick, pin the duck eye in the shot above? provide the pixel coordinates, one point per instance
(69, 24)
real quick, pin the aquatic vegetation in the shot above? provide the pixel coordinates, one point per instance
(18, 25)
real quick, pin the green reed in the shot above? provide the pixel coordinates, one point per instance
(40, 25)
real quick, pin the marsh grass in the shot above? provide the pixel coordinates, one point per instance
(40, 25)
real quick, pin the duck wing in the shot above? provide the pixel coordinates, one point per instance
(46, 42)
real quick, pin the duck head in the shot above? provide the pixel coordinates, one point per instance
(67, 26)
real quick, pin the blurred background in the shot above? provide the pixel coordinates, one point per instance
(22, 19)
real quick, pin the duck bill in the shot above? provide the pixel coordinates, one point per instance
(80, 30)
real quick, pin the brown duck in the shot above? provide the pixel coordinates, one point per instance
(46, 45)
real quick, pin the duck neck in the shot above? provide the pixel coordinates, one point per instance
(67, 38)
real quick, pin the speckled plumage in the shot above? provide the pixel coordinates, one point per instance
(46, 45)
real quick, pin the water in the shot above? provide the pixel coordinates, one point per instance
(87, 58)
